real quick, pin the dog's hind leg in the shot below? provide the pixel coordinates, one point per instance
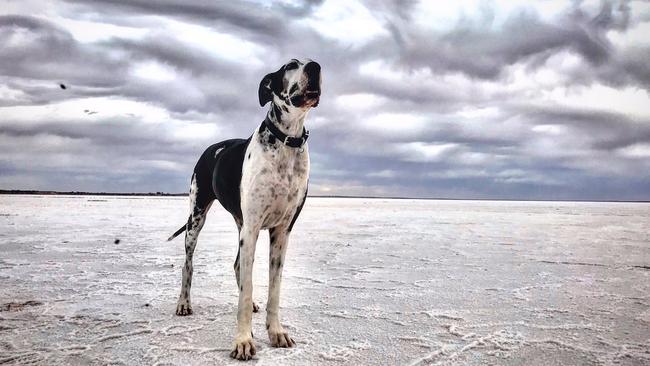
(279, 241)
(199, 205)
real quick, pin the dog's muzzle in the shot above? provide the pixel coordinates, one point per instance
(312, 91)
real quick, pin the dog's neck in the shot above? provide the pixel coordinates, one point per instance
(290, 121)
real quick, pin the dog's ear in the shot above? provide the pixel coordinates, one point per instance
(271, 83)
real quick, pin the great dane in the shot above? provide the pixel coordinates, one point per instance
(262, 182)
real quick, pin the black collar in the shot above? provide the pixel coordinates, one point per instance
(295, 142)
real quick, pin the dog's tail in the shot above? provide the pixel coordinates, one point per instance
(177, 232)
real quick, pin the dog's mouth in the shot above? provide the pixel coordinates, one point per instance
(312, 94)
(312, 97)
(309, 98)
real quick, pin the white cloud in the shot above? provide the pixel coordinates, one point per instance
(192, 131)
(9, 95)
(346, 21)
(74, 109)
(518, 176)
(424, 152)
(641, 150)
(636, 36)
(87, 31)
(549, 129)
(395, 124)
(443, 15)
(163, 165)
(222, 45)
(457, 173)
(359, 101)
(386, 173)
(631, 101)
(154, 71)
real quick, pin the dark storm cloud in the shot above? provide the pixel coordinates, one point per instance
(406, 111)
(239, 15)
(211, 77)
(476, 48)
(606, 131)
(37, 49)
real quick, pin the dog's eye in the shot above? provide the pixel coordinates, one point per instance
(291, 65)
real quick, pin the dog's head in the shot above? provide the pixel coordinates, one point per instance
(295, 86)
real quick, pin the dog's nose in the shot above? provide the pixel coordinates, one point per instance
(312, 69)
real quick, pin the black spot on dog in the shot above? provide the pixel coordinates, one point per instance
(277, 112)
(295, 216)
(291, 65)
(268, 326)
(272, 263)
(293, 88)
(241, 287)
(62, 86)
(249, 155)
(222, 174)
(284, 108)
(117, 241)
(241, 243)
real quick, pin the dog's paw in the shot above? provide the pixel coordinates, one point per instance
(183, 308)
(255, 308)
(280, 338)
(243, 349)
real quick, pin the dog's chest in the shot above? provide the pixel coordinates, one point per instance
(274, 180)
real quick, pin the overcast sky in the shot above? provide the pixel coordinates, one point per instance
(480, 99)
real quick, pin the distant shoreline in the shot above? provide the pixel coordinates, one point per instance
(78, 193)
(165, 194)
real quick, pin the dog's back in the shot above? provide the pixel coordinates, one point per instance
(217, 175)
(226, 174)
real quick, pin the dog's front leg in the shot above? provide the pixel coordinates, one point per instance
(244, 348)
(279, 242)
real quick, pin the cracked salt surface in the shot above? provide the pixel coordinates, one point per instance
(366, 281)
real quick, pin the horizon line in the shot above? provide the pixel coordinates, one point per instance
(167, 194)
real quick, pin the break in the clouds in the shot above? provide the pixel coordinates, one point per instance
(479, 99)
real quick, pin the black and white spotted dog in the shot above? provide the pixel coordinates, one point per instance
(262, 182)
